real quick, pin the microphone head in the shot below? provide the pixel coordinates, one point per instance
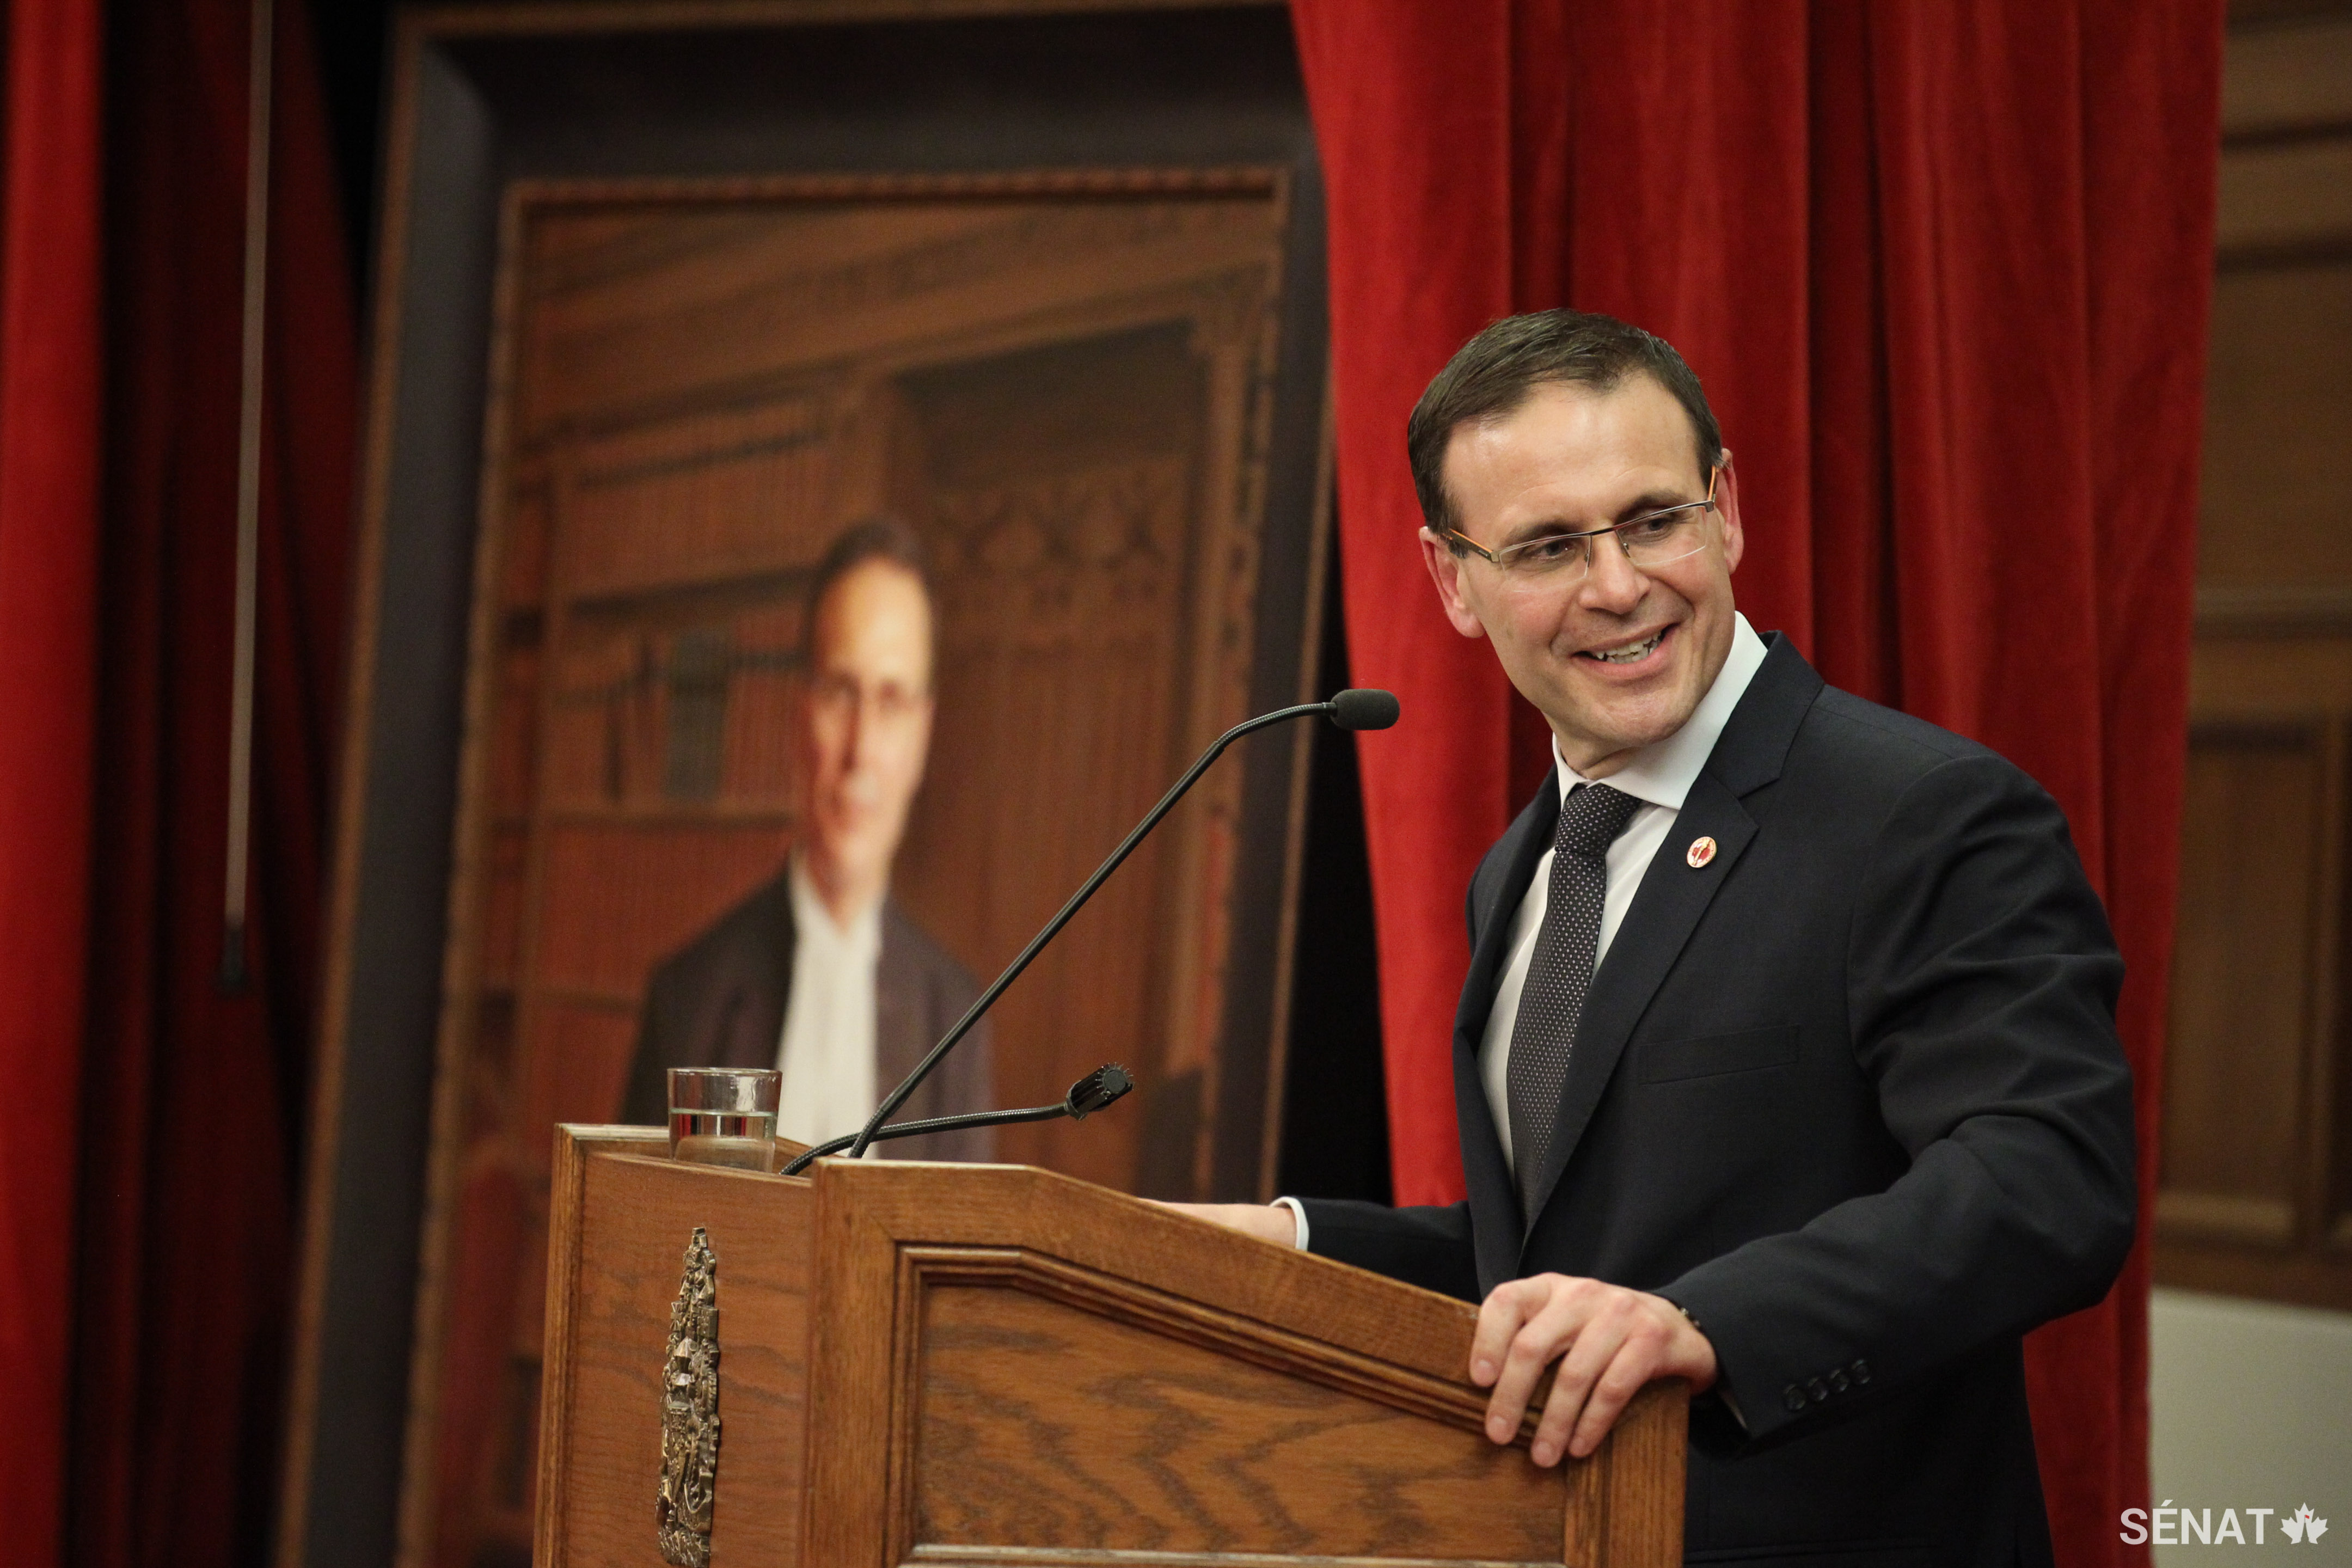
(1364, 708)
(1097, 1089)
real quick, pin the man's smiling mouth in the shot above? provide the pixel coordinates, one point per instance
(1626, 655)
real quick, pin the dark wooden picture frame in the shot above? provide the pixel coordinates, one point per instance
(493, 109)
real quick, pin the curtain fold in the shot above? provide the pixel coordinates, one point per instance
(191, 1142)
(49, 229)
(1945, 272)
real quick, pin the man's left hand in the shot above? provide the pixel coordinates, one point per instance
(1610, 1341)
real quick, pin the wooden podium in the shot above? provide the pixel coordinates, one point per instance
(979, 1366)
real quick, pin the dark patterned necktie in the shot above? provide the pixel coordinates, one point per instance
(1552, 1001)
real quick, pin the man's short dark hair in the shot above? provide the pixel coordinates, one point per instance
(882, 537)
(1491, 374)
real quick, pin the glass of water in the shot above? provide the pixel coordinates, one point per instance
(724, 1116)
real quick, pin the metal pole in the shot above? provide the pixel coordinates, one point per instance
(249, 499)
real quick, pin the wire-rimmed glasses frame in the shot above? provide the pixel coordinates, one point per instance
(1653, 539)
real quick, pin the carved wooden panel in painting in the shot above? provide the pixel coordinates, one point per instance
(1064, 385)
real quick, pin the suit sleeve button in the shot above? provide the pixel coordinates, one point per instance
(1818, 1389)
(1793, 1398)
(1838, 1383)
(1861, 1371)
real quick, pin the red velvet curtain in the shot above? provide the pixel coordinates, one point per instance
(192, 1138)
(145, 1314)
(49, 337)
(1945, 272)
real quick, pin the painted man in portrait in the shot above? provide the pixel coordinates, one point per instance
(819, 972)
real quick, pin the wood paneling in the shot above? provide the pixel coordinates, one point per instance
(2279, 387)
(2252, 1192)
(2285, 81)
(2249, 18)
(2277, 198)
(2245, 1008)
(2257, 1124)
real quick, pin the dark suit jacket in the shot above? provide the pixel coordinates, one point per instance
(1850, 1095)
(720, 1002)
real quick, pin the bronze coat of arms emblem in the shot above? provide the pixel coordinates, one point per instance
(690, 1477)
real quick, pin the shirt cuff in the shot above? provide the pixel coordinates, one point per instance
(1297, 1212)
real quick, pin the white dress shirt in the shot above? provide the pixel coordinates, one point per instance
(826, 1053)
(1659, 775)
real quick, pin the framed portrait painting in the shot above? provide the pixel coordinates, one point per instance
(921, 512)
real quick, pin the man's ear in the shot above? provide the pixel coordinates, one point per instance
(1726, 503)
(1445, 570)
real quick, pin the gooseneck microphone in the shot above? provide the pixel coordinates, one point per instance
(1089, 1094)
(1357, 708)
(1354, 709)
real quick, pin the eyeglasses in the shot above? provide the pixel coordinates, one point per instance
(1653, 539)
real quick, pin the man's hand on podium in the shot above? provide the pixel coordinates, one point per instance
(1267, 1222)
(1610, 1341)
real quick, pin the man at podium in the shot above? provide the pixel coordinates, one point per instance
(1785, 1063)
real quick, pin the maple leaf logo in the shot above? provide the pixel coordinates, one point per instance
(2302, 1528)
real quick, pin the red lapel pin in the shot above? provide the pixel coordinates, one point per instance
(1702, 850)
